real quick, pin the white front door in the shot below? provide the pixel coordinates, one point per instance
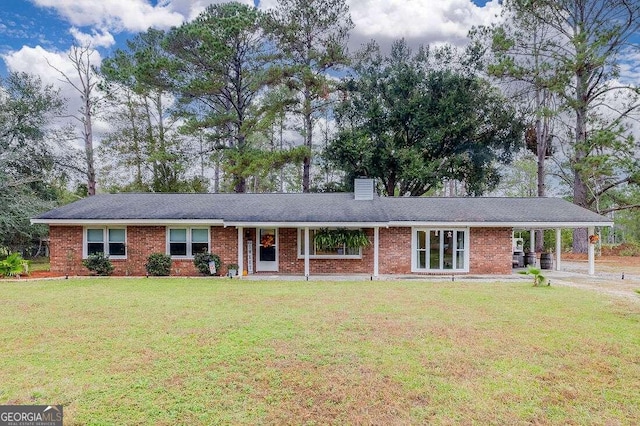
(267, 250)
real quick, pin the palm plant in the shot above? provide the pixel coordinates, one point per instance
(13, 265)
(538, 278)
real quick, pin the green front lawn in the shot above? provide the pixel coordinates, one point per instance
(206, 351)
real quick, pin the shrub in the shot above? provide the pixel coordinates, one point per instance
(13, 265)
(99, 264)
(630, 249)
(158, 264)
(201, 261)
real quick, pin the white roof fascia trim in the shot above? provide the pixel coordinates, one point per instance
(309, 224)
(132, 222)
(528, 225)
(220, 222)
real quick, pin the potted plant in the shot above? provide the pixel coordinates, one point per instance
(356, 238)
(330, 239)
(233, 269)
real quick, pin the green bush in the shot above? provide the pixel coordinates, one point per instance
(630, 249)
(201, 261)
(158, 264)
(13, 265)
(99, 264)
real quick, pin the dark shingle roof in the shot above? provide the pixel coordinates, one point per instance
(229, 207)
(325, 207)
(488, 209)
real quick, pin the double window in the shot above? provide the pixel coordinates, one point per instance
(440, 250)
(110, 241)
(187, 242)
(341, 251)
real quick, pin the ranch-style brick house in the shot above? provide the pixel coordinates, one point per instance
(274, 233)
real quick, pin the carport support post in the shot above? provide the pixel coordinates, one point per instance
(376, 250)
(558, 247)
(592, 253)
(306, 251)
(532, 241)
(240, 253)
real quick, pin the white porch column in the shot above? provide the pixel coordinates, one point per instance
(532, 241)
(592, 252)
(558, 247)
(306, 251)
(376, 250)
(240, 252)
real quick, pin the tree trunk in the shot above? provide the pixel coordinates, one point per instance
(241, 185)
(88, 148)
(135, 140)
(308, 141)
(541, 141)
(241, 181)
(580, 244)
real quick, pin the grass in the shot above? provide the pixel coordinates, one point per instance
(39, 264)
(215, 351)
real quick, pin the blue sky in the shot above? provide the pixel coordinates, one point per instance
(38, 34)
(53, 25)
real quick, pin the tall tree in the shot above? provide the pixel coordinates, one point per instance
(144, 135)
(84, 83)
(27, 158)
(312, 36)
(516, 46)
(584, 42)
(413, 125)
(222, 69)
(517, 60)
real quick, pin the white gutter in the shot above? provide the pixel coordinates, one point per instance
(527, 225)
(133, 222)
(395, 224)
(308, 224)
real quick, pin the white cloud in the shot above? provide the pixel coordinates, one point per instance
(418, 21)
(192, 8)
(630, 67)
(40, 62)
(95, 39)
(36, 60)
(115, 15)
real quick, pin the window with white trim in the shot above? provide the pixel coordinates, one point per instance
(187, 242)
(110, 241)
(440, 250)
(316, 253)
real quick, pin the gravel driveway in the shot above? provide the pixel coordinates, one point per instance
(608, 279)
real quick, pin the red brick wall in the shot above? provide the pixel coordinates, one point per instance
(65, 250)
(395, 251)
(224, 243)
(290, 264)
(490, 251)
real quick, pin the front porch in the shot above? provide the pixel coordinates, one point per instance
(555, 258)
